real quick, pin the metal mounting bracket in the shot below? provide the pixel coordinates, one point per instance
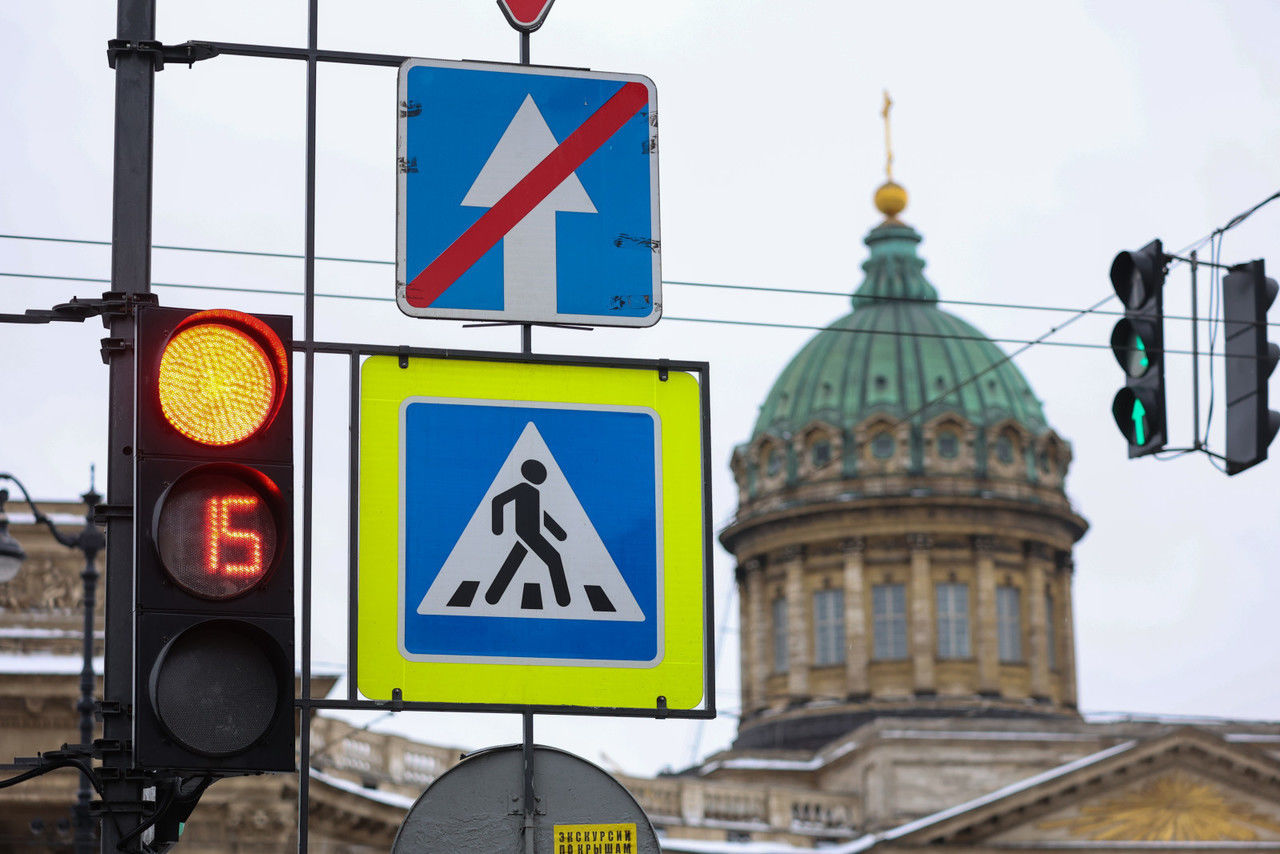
(188, 52)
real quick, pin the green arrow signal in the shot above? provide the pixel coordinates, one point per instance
(1139, 416)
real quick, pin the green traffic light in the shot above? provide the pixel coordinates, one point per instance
(1139, 422)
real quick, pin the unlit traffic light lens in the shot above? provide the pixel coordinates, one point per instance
(216, 687)
(221, 378)
(216, 531)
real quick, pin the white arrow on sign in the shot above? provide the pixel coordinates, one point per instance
(528, 249)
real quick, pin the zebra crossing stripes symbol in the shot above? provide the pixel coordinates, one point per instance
(552, 562)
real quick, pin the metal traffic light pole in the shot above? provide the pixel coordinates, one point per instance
(133, 55)
(1195, 357)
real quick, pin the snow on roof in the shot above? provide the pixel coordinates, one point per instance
(706, 846)
(1182, 720)
(818, 760)
(52, 664)
(760, 763)
(1012, 789)
(29, 632)
(987, 735)
(44, 663)
(388, 798)
(690, 846)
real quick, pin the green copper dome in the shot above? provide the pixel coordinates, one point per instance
(898, 354)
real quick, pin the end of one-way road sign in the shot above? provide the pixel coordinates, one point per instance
(527, 195)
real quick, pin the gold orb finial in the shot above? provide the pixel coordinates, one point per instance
(890, 198)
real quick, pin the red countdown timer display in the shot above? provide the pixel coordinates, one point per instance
(221, 381)
(217, 530)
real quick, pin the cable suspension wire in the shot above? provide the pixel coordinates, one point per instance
(761, 324)
(841, 294)
(1231, 223)
(1009, 357)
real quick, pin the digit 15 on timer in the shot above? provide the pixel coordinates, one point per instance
(213, 521)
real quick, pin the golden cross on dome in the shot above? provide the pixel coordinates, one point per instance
(888, 147)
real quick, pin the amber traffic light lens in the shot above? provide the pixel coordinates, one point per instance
(216, 532)
(220, 378)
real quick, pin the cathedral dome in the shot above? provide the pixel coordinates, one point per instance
(903, 539)
(898, 355)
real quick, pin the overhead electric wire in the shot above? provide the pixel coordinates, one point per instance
(712, 320)
(841, 294)
(763, 324)
(1231, 223)
(1009, 357)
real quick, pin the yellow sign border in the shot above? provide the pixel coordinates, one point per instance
(680, 674)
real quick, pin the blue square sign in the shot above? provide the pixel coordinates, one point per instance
(535, 541)
(527, 195)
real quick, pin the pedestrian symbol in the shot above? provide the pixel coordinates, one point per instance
(553, 563)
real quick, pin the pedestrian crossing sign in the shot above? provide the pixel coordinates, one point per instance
(532, 534)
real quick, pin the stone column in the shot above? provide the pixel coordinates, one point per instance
(986, 632)
(755, 638)
(1067, 667)
(856, 650)
(798, 626)
(921, 612)
(1037, 564)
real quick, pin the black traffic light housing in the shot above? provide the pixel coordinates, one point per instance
(1138, 344)
(1247, 293)
(213, 583)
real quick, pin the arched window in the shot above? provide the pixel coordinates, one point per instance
(948, 444)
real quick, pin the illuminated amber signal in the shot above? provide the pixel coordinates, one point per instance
(222, 377)
(217, 530)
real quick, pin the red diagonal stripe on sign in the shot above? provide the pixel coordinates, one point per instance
(493, 225)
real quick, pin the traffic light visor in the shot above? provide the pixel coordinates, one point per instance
(222, 377)
(1136, 276)
(217, 530)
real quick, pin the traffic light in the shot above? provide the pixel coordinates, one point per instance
(213, 615)
(1138, 344)
(1247, 293)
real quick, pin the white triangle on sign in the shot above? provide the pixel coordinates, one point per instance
(529, 248)
(513, 573)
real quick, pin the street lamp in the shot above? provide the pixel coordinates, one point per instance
(88, 541)
(11, 554)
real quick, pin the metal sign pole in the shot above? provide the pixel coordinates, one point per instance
(130, 276)
(530, 805)
(526, 329)
(526, 347)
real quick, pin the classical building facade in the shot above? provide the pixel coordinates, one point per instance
(903, 545)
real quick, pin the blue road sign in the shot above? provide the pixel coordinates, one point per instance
(527, 195)
(536, 540)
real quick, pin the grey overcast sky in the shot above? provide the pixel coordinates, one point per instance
(1036, 140)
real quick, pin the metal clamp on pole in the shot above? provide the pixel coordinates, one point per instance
(188, 52)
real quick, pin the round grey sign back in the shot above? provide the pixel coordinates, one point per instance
(478, 806)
